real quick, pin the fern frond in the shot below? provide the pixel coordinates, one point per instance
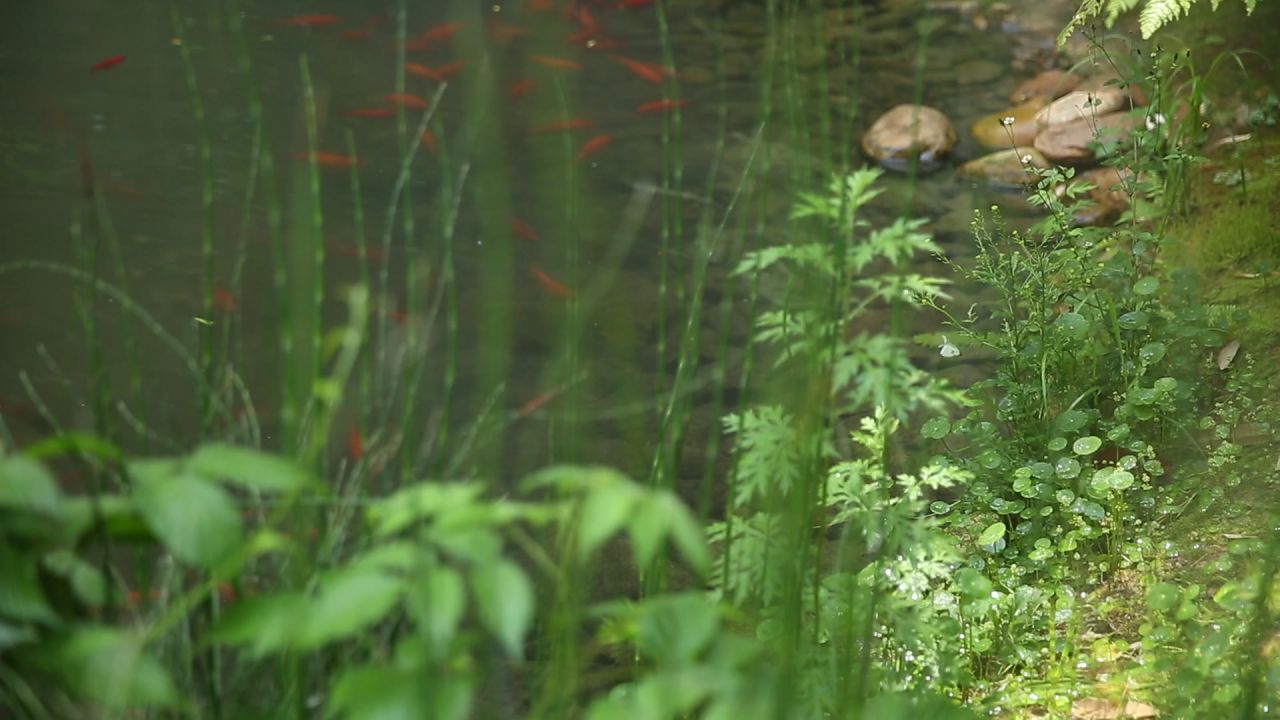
(1158, 13)
(1116, 7)
(1089, 9)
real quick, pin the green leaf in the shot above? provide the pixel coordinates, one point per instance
(605, 510)
(194, 518)
(674, 629)
(28, 486)
(1163, 597)
(12, 636)
(20, 595)
(936, 428)
(647, 528)
(686, 532)
(265, 624)
(436, 599)
(390, 692)
(504, 602)
(973, 584)
(1087, 445)
(1146, 286)
(1072, 324)
(86, 580)
(1070, 421)
(992, 534)
(248, 468)
(109, 666)
(347, 600)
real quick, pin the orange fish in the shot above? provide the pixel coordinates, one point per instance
(542, 5)
(406, 100)
(355, 444)
(329, 160)
(520, 88)
(433, 36)
(593, 146)
(587, 21)
(107, 63)
(502, 32)
(576, 123)
(223, 299)
(439, 74)
(556, 63)
(661, 105)
(652, 72)
(361, 34)
(342, 249)
(369, 112)
(537, 403)
(429, 141)
(226, 592)
(308, 21)
(550, 284)
(524, 230)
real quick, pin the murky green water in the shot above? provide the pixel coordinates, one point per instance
(584, 321)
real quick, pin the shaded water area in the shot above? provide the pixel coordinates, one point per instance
(536, 293)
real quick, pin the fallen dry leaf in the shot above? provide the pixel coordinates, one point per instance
(1099, 709)
(1227, 354)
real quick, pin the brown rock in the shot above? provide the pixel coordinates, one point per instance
(1051, 84)
(1073, 143)
(906, 132)
(1081, 104)
(1108, 198)
(1009, 168)
(991, 133)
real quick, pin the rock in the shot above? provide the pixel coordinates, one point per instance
(1073, 143)
(1007, 168)
(974, 72)
(1108, 197)
(1052, 84)
(1081, 104)
(909, 131)
(992, 134)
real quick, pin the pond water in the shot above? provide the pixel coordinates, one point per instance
(541, 277)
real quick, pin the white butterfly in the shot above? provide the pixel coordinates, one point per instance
(948, 350)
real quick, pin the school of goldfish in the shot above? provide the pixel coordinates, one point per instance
(430, 60)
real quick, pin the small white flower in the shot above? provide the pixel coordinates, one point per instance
(1154, 120)
(947, 350)
(1008, 120)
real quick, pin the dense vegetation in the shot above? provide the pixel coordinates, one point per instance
(1087, 530)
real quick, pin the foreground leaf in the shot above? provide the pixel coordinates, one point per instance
(194, 518)
(504, 600)
(109, 667)
(248, 468)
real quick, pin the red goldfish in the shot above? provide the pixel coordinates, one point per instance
(355, 444)
(308, 21)
(593, 146)
(550, 284)
(429, 141)
(524, 230)
(406, 100)
(224, 300)
(107, 63)
(652, 72)
(576, 123)
(520, 88)
(329, 160)
(661, 105)
(556, 63)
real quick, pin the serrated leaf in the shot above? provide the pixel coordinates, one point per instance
(647, 529)
(264, 624)
(194, 518)
(109, 667)
(86, 580)
(20, 595)
(347, 600)
(28, 486)
(674, 629)
(605, 510)
(248, 468)
(436, 600)
(504, 603)
(686, 533)
(387, 692)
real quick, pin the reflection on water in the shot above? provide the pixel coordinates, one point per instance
(539, 251)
